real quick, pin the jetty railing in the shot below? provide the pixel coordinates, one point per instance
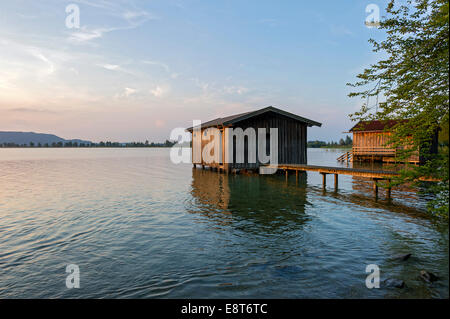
(346, 157)
(373, 150)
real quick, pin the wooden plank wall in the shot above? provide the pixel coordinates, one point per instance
(370, 139)
(205, 141)
(196, 146)
(291, 139)
(369, 144)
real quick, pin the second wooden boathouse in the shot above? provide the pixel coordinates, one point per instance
(371, 143)
(292, 137)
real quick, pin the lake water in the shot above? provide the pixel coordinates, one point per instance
(139, 226)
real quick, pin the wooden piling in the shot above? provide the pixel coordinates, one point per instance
(375, 187)
(388, 190)
(324, 180)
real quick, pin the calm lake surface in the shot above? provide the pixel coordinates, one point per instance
(139, 226)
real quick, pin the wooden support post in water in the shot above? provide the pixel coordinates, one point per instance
(336, 182)
(296, 176)
(324, 180)
(388, 190)
(375, 187)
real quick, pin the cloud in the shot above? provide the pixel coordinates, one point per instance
(73, 70)
(111, 67)
(27, 16)
(159, 91)
(173, 75)
(97, 4)
(157, 63)
(160, 123)
(127, 92)
(211, 89)
(340, 30)
(133, 15)
(235, 90)
(85, 34)
(132, 18)
(116, 68)
(30, 110)
(40, 56)
(269, 22)
(202, 85)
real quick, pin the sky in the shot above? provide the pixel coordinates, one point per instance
(135, 70)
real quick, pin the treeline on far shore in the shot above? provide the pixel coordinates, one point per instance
(313, 144)
(167, 143)
(343, 143)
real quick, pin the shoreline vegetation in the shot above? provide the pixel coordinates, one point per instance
(413, 80)
(347, 143)
(101, 144)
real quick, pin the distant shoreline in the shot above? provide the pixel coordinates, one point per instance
(125, 147)
(337, 147)
(147, 144)
(84, 147)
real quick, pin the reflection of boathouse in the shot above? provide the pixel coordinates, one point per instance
(248, 200)
(256, 203)
(292, 138)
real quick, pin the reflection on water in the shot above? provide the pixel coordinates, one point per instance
(261, 203)
(139, 226)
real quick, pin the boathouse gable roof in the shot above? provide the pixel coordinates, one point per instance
(375, 125)
(234, 119)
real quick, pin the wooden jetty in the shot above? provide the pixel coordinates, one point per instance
(375, 175)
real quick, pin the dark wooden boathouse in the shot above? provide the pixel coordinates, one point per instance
(292, 137)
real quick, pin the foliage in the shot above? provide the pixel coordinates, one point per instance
(348, 142)
(414, 82)
(167, 143)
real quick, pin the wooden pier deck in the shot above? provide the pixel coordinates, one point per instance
(375, 175)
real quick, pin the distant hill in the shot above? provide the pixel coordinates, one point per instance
(21, 138)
